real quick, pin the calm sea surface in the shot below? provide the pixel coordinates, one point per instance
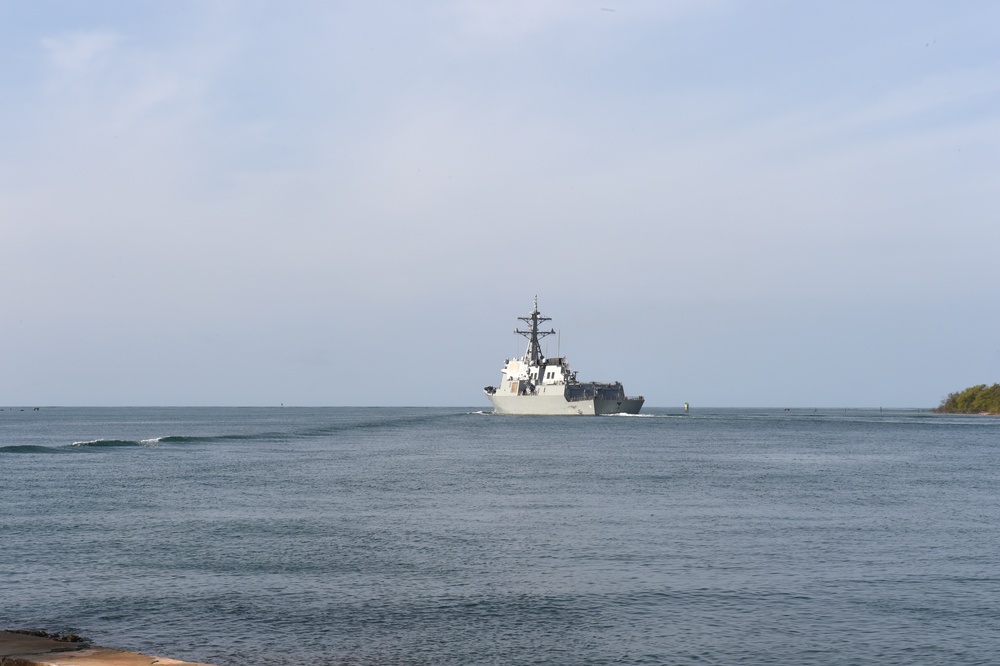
(388, 536)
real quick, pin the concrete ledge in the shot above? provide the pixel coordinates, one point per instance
(18, 649)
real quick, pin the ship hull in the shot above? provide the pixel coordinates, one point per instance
(558, 405)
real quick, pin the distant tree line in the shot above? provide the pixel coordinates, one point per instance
(981, 399)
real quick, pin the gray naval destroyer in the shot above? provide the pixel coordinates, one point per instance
(537, 385)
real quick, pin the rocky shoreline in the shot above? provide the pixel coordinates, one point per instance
(28, 647)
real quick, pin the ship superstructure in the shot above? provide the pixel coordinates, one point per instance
(534, 384)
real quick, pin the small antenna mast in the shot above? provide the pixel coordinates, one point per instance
(533, 352)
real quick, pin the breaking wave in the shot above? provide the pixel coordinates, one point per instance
(98, 443)
(373, 423)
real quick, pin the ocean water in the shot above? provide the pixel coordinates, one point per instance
(388, 536)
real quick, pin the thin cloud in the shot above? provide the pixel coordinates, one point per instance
(80, 50)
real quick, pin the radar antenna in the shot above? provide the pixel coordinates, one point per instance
(533, 352)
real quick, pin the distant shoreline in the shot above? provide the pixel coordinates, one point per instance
(939, 411)
(980, 400)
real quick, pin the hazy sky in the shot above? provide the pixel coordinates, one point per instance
(733, 203)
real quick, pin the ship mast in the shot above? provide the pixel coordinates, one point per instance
(534, 352)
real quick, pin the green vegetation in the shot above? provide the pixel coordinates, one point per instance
(981, 399)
